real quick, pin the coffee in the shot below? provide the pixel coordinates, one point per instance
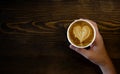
(81, 33)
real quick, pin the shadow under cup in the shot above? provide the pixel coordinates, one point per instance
(81, 33)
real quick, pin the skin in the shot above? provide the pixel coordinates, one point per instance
(97, 53)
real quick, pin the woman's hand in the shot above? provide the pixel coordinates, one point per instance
(97, 53)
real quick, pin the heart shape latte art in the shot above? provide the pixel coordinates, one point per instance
(82, 33)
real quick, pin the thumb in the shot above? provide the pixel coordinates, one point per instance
(81, 51)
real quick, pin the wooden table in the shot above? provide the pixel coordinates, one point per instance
(33, 35)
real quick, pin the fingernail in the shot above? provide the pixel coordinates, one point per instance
(71, 46)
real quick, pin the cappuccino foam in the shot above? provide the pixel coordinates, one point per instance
(81, 33)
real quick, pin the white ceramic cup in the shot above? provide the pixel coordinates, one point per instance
(87, 21)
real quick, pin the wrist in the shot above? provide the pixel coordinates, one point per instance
(107, 67)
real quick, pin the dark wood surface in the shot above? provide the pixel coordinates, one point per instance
(33, 35)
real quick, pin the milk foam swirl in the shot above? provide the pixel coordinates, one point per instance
(82, 33)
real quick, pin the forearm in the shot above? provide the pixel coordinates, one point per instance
(108, 68)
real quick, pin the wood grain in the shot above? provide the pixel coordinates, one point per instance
(33, 35)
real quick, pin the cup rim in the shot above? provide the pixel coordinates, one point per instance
(85, 20)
